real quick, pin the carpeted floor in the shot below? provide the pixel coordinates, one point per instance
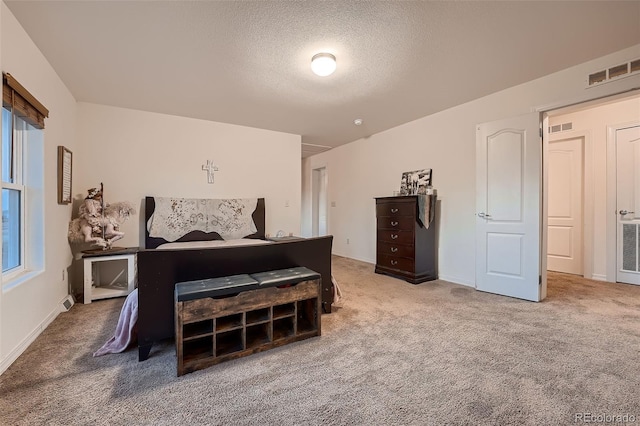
(393, 354)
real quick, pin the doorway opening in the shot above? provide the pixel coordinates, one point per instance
(585, 137)
(319, 202)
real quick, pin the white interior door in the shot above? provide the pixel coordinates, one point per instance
(564, 229)
(628, 205)
(508, 220)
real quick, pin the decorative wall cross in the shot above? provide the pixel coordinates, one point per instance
(210, 168)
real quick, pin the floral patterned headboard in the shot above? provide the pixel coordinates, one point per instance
(192, 219)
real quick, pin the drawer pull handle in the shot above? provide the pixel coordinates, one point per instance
(394, 210)
(394, 262)
(394, 236)
(394, 223)
(394, 249)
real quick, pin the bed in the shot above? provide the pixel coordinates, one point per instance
(199, 254)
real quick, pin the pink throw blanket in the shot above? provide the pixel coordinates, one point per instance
(126, 331)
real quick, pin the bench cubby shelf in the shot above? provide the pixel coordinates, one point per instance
(210, 330)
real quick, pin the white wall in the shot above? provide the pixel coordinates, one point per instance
(371, 167)
(26, 309)
(592, 123)
(137, 153)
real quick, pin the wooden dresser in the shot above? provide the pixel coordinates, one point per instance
(405, 249)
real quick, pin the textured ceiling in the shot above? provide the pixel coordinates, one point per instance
(248, 63)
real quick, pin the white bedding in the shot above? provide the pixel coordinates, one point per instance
(214, 243)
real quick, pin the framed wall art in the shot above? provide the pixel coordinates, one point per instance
(65, 164)
(415, 182)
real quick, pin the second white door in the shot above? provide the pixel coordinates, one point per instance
(628, 204)
(564, 232)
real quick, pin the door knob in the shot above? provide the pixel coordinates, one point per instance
(484, 215)
(624, 212)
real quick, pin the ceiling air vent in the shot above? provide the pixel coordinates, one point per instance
(597, 77)
(560, 127)
(309, 149)
(618, 71)
(614, 73)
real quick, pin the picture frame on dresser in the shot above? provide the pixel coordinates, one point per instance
(416, 182)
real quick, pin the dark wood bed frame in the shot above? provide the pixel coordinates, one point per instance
(159, 270)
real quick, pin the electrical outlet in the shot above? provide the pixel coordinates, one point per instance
(347, 241)
(333, 204)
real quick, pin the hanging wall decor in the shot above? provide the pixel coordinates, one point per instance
(65, 160)
(210, 168)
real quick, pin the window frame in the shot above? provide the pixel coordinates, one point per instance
(27, 139)
(18, 135)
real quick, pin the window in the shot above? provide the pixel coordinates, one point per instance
(22, 180)
(12, 192)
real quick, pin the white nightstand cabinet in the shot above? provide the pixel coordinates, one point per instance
(109, 274)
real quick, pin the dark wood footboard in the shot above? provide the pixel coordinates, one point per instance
(159, 270)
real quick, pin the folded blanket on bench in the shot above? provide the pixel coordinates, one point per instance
(126, 331)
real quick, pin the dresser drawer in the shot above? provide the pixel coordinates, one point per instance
(399, 237)
(405, 223)
(393, 262)
(398, 250)
(395, 209)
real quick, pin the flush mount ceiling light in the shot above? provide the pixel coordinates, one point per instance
(323, 64)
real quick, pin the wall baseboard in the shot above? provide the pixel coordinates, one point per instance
(598, 277)
(373, 262)
(457, 280)
(31, 337)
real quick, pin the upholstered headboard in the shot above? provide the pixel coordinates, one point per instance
(152, 242)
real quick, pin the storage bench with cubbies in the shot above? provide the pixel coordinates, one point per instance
(220, 319)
